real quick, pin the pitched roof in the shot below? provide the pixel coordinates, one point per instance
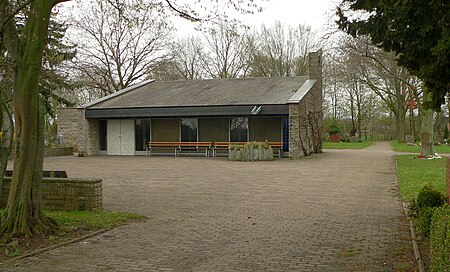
(210, 92)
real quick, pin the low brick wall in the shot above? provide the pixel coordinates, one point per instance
(65, 194)
(448, 179)
(58, 151)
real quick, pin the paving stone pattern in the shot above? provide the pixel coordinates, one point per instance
(336, 211)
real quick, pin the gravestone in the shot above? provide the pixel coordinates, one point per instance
(354, 139)
(409, 139)
(335, 138)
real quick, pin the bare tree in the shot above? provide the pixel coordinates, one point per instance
(120, 42)
(389, 81)
(280, 50)
(187, 54)
(226, 52)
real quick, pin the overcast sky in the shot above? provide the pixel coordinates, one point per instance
(315, 13)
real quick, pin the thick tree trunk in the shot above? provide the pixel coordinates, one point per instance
(426, 129)
(24, 213)
(412, 127)
(6, 142)
(400, 126)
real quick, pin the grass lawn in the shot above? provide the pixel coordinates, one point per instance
(416, 173)
(329, 145)
(402, 147)
(97, 220)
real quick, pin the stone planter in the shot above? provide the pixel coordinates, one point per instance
(254, 151)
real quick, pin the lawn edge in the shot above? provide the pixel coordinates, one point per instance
(62, 244)
(52, 247)
(417, 254)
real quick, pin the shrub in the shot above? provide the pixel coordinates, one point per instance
(440, 239)
(332, 127)
(430, 197)
(424, 220)
(427, 199)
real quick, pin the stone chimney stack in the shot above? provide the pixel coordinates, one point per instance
(315, 65)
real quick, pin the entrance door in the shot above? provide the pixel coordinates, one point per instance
(120, 137)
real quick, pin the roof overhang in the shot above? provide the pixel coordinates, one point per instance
(131, 88)
(304, 89)
(185, 111)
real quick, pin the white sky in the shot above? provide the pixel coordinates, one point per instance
(315, 13)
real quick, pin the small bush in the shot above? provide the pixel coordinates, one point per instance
(332, 127)
(440, 239)
(427, 200)
(424, 220)
(430, 197)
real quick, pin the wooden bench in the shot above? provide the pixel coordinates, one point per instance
(226, 145)
(178, 147)
(275, 146)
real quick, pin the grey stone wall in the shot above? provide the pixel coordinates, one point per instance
(295, 150)
(67, 119)
(305, 118)
(58, 151)
(88, 139)
(65, 194)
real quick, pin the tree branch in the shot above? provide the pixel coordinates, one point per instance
(183, 14)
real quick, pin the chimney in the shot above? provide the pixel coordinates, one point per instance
(315, 65)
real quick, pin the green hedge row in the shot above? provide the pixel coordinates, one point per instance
(432, 215)
(440, 239)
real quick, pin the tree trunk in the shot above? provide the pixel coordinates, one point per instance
(6, 142)
(411, 123)
(426, 129)
(352, 113)
(24, 213)
(439, 133)
(400, 126)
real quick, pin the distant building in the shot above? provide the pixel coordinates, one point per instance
(276, 109)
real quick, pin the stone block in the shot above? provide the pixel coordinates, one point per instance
(409, 138)
(81, 192)
(354, 139)
(53, 197)
(64, 191)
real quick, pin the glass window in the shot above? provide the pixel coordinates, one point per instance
(239, 129)
(102, 132)
(142, 133)
(189, 129)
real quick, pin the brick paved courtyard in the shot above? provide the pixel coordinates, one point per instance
(336, 211)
